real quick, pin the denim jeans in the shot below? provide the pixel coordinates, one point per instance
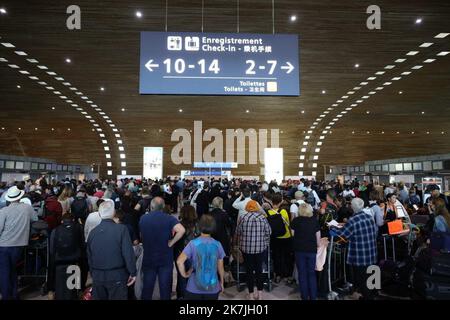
(164, 274)
(306, 266)
(9, 256)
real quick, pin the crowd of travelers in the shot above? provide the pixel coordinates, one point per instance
(130, 235)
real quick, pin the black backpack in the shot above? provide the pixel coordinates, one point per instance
(145, 205)
(277, 225)
(79, 208)
(309, 198)
(67, 243)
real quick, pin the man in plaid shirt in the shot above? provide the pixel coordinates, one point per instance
(361, 232)
(253, 232)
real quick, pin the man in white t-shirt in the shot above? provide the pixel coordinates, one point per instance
(314, 193)
(241, 202)
(299, 199)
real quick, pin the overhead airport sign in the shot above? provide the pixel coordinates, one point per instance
(219, 64)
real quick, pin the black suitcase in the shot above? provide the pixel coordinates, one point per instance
(437, 287)
(440, 265)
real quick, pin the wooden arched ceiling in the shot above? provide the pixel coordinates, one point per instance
(333, 38)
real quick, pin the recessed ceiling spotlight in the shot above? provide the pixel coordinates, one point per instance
(18, 86)
(159, 130)
(139, 14)
(3, 11)
(293, 18)
(412, 132)
(145, 130)
(418, 20)
(123, 109)
(353, 132)
(442, 132)
(3, 128)
(357, 65)
(180, 110)
(68, 129)
(423, 112)
(398, 132)
(428, 132)
(303, 111)
(324, 91)
(20, 128)
(247, 111)
(53, 129)
(382, 132)
(368, 132)
(400, 92)
(53, 108)
(102, 89)
(368, 112)
(68, 60)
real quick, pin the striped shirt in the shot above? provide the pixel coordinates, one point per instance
(254, 232)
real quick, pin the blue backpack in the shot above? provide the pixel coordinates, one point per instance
(206, 264)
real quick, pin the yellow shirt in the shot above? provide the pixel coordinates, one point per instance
(285, 216)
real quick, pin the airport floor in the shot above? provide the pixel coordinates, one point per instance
(281, 291)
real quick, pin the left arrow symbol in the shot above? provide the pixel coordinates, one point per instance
(149, 65)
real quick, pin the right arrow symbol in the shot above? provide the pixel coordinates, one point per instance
(289, 67)
(149, 65)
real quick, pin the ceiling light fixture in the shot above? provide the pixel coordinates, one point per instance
(123, 109)
(293, 18)
(324, 91)
(139, 14)
(442, 35)
(247, 111)
(3, 11)
(357, 65)
(102, 89)
(68, 60)
(180, 110)
(418, 20)
(18, 86)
